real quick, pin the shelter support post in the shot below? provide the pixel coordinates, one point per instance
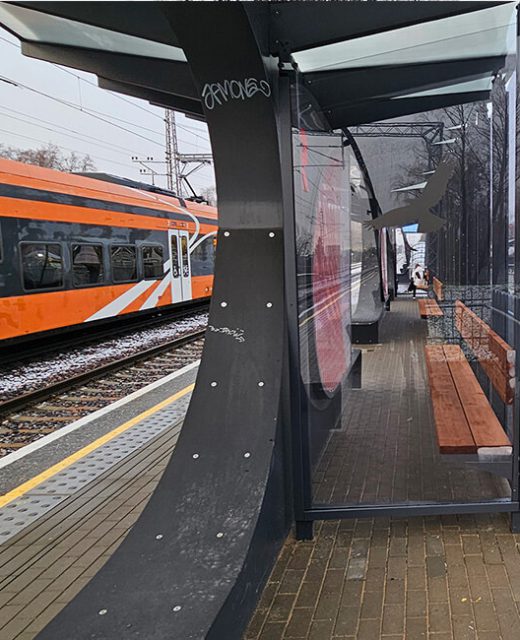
(224, 515)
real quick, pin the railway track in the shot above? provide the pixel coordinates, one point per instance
(32, 415)
(78, 337)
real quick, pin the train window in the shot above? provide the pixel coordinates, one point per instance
(203, 257)
(87, 265)
(185, 263)
(152, 257)
(175, 256)
(124, 263)
(42, 265)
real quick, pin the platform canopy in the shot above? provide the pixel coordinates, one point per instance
(267, 77)
(421, 55)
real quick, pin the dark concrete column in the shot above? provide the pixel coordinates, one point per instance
(224, 514)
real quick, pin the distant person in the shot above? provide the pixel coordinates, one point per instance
(417, 279)
(427, 276)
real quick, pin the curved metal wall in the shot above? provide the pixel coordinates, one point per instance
(235, 487)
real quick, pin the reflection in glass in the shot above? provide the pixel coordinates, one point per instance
(42, 265)
(152, 261)
(124, 264)
(432, 420)
(87, 264)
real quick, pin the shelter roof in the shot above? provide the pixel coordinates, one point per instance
(421, 55)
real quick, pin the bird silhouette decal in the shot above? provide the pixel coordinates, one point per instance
(418, 209)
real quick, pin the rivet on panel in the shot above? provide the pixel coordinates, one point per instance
(159, 536)
(223, 304)
(261, 384)
(102, 612)
(269, 305)
(220, 534)
(271, 234)
(227, 234)
(195, 456)
(177, 607)
(247, 454)
(213, 384)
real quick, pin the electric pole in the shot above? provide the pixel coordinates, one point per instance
(173, 171)
(179, 166)
(177, 163)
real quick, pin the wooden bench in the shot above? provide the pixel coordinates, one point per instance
(438, 289)
(494, 355)
(464, 419)
(429, 308)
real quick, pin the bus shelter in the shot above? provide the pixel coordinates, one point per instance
(355, 145)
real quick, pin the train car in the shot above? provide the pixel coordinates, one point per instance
(76, 250)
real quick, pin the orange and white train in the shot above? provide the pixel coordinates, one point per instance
(78, 249)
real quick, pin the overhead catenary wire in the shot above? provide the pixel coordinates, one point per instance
(72, 105)
(82, 136)
(187, 128)
(108, 119)
(194, 131)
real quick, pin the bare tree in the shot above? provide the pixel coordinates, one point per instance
(210, 195)
(49, 156)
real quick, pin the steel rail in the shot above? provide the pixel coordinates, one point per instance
(13, 404)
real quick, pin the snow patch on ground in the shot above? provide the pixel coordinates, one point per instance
(34, 375)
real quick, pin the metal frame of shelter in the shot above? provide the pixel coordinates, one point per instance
(232, 63)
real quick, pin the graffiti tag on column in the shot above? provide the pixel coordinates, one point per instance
(217, 93)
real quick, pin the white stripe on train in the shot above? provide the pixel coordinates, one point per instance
(121, 302)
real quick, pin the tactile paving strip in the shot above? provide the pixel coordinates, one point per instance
(23, 511)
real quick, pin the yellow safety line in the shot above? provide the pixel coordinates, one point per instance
(81, 453)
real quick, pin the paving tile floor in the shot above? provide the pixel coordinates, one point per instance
(44, 566)
(386, 450)
(435, 578)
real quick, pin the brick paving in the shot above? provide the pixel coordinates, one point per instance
(386, 450)
(44, 566)
(435, 578)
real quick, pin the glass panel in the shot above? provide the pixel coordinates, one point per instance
(203, 257)
(152, 261)
(484, 33)
(124, 264)
(407, 331)
(35, 25)
(175, 256)
(185, 261)
(87, 264)
(42, 265)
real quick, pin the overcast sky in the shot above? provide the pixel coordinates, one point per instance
(121, 127)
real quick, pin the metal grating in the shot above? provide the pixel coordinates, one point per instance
(27, 509)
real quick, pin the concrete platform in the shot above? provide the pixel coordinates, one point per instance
(68, 502)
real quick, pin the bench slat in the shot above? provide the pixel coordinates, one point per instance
(437, 288)
(453, 432)
(484, 425)
(428, 307)
(484, 335)
(496, 357)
